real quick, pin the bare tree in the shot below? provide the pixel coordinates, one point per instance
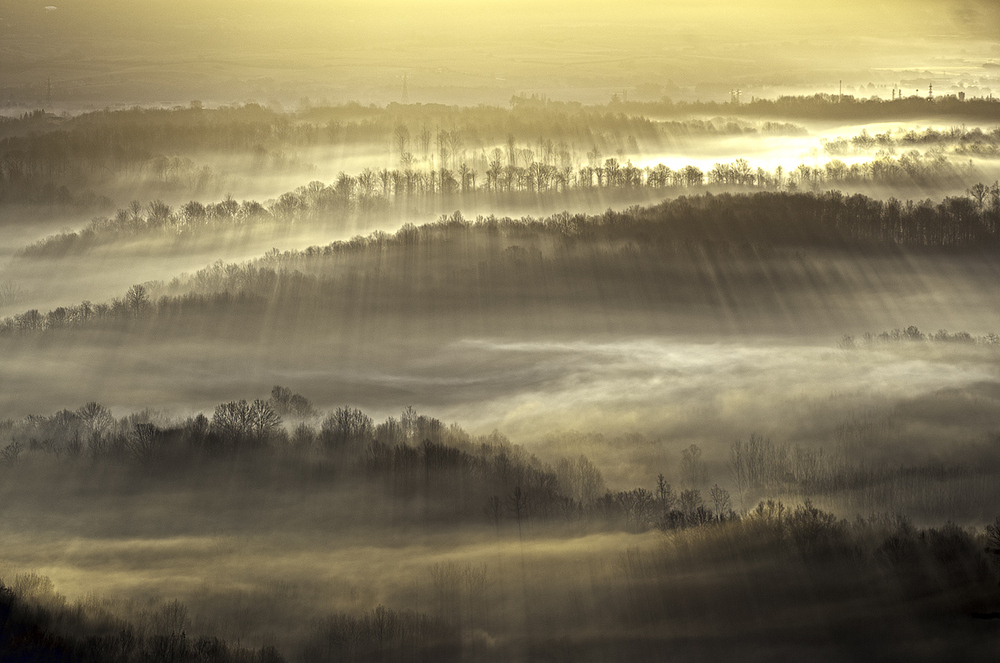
(230, 422)
(96, 418)
(517, 503)
(739, 469)
(720, 499)
(993, 537)
(580, 480)
(690, 501)
(402, 135)
(408, 421)
(263, 421)
(665, 496)
(692, 468)
(241, 424)
(135, 211)
(11, 452)
(347, 427)
(444, 148)
(141, 442)
(425, 141)
(136, 299)
(494, 512)
(637, 507)
(284, 402)
(465, 174)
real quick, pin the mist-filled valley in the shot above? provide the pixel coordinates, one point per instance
(443, 331)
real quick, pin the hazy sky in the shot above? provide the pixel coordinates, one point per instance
(482, 50)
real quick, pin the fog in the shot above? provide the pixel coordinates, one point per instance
(434, 330)
(482, 52)
(97, 273)
(624, 361)
(785, 151)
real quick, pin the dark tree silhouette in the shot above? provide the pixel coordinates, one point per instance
(136, 299)
(347, 427)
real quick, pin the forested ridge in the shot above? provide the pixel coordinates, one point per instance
(45, 158)
(440, 150)
(435, 475)
(244, 127)
(956, 220)
(674, 251)
(454, 477)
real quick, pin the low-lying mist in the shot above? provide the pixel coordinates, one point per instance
(298, 539)
(499, 331)
(633, 403)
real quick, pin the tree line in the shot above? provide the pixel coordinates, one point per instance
(412, 456)
(493, 261)
(458, 477)
(376, 192)
(825, 106)
(125, 135)
(62, 159)
(964, 141)
(53, 163)
(878, 558)
(39, 624)
(913, 334)
(462, 477)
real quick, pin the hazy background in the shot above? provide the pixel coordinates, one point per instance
(120, 53)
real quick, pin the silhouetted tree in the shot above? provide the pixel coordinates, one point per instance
(136, 299)
(244, 425)
(693, 470)
(665, 497)
(347, 427)
(284, 402)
